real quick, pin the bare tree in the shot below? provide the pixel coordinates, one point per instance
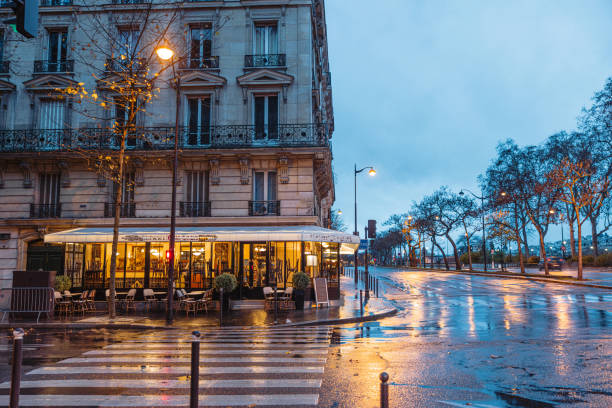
(337, 222)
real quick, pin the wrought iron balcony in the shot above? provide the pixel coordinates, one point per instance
(45, 210)
(131, 1)
(127, 210)
(5, 67)
(194, 209)
(46, 66)
(162, 138)
(53, 3)
(201, 63)
(265, 60)
(264, 208)
(118, 65)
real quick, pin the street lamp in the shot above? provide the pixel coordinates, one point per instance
(484, 236)
(167, 54)
(371, 172)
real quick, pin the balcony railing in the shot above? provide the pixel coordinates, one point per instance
(265, 60)
(5, 67)
(118, 65)
(194, 209)
(45, 210)
(264, 208)
(127, 210)
(61, 66)
(203, 63)
(131, 1)
(53, 3)
(162, 138)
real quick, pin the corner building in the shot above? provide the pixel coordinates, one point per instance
(255, 183)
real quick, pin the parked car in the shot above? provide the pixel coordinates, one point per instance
(554, 262)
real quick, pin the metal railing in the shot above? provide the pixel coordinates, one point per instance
(45, 210)
(27, 300)
(53, 3)
(265, 60)
(199, 63)
(46, 66)
(5, 67)
(162, 138)
(266, 207)
(127, 210)
(194, 209)
(131, 1)
(115, 65)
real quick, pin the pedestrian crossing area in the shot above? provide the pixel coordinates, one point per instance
(239, 367)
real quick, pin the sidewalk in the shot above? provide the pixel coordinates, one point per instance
(348, 312)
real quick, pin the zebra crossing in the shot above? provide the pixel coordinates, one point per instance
(247, 367)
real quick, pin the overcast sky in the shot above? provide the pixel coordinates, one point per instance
(425, 89)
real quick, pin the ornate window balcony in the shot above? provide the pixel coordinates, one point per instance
(261, 208)
(130, 1)
(194, 209)
(119, 65)
(162, 138)
(127, 210)
(265, 60)
(5, 67)
(202, 63)
(54, 3)
(60, 67)
(45, 210)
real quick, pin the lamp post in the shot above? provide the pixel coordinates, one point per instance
(371, 172)
(166, 54)
(484, 235)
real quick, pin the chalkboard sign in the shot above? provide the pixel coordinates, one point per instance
(320, 288)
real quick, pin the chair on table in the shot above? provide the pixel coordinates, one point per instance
(206, 300)
(90, 301)
(285, 299)
(149, 298)
(61, 305)
(80, 304)
(128, 302)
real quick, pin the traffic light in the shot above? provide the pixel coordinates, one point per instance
(26, 17)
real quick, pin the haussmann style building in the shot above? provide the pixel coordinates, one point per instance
(255, 183)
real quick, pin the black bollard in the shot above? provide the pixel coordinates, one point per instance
(220, 306)
(16, 373)
(361, 301)
(384, 390)
(195, 370)
(275, 305)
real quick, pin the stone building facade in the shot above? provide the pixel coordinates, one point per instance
(256, 122)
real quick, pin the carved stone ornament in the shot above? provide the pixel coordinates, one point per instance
(64, 173)
(283, 170)
(214, 171)
(244, 170)
(27, 174)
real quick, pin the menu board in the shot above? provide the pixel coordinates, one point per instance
(320, 288)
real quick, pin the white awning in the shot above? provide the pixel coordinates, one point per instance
(208, 234)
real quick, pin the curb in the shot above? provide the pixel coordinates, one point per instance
(522, 277)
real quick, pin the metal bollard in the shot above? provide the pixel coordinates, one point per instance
(376, 287)
(221, 307)
(275, 305)
(195, 370)
(384, 390)
(16, 373)
(361, 301)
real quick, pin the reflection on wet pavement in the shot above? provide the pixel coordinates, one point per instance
(486, 341)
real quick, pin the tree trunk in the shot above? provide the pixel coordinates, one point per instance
(543, 253)
(467, 239)
(455, 253)
(117, 216)
(594, 241)
(572, 239)
(579, 226)
(443, 256)
(433, 242)
(525, 243)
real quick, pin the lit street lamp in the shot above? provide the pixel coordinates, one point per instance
(371, 172)
(167, 54)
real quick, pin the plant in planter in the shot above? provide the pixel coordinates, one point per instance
(62, 283)
(301, 281)
(228, 282)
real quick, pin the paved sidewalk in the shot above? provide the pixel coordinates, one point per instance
(349, 311)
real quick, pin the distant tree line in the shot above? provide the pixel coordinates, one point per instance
(565, 180)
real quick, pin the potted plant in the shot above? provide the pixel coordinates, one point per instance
(301, 281)
(228, 282)
(62, 283)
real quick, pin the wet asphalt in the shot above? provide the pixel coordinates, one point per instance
(462, 340)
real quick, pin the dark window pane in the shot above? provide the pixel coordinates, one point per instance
(273, 117)
(260, 112)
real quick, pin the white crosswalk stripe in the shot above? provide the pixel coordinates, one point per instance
(238, 367)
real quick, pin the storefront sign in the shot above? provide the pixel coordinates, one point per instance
(166, 238)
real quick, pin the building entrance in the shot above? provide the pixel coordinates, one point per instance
(47, 257)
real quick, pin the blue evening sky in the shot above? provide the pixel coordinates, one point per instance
(424, 89)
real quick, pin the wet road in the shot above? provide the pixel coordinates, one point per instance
(464, 340)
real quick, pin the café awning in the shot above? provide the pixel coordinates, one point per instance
(208, 234)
